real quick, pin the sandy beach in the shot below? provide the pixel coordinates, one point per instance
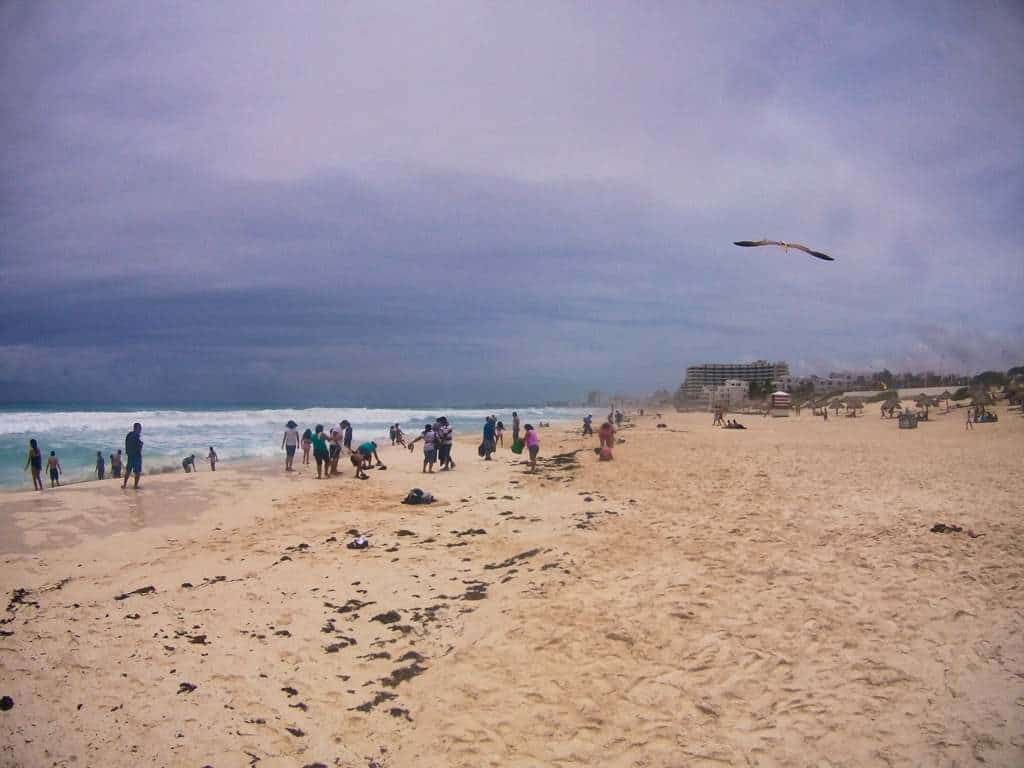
(773, 596)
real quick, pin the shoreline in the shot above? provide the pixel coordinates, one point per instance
(772, 595)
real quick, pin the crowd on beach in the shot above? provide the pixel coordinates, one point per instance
(325, 448)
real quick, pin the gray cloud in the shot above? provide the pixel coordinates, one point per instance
(507, 199)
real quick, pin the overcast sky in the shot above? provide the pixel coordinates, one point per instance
(442, 202)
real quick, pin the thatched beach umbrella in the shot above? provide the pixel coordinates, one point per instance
(835, 405)
(854, 404)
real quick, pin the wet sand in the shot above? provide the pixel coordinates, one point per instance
(773, 596)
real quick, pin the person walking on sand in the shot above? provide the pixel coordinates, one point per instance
(101, 466)
(321, 454)
(588, 422)
(970, 419)
(532, 441)
(290, 443)
(133, 454)
(399, 435)
(499, 433)
(212, 458)
(307, 443)
(515, 427)
(115, 464)
(35, 462)
(53, 465)
(429, 439)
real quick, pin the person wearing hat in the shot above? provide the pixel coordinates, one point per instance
(290, 443)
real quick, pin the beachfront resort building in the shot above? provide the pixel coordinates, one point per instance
(717, 374)
(729, 394)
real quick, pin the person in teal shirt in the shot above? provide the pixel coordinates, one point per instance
(320, 451)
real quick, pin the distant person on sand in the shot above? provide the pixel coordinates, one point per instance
(133, 454)
(515, 427)
(189, 464)
(392, 434)
(445, 436)
(290, 443)
(346, 440)
(307, 443)
(367, 451)
(532, 441)
(588, 425)
(399, 435)
(321, 454)
(101, 466)
(115, 464)
(212, 458)
(334, 447)
(488, 444)
(53, 465)
(499, 433)
(970, 419)
(429, 439)
(35, 462)
(606, 434)
(718, 416)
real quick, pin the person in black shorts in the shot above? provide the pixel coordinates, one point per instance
(133, 454)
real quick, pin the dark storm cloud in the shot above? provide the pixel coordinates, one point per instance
(474, 202)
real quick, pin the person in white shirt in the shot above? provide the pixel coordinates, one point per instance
(290, 443)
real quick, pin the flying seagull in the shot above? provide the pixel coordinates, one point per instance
(784, 246)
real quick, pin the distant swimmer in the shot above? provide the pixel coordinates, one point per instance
(784, 246)
(101, 466)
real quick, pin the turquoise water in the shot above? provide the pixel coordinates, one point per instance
(170, 434)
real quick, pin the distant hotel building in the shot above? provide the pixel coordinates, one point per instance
(715, 374)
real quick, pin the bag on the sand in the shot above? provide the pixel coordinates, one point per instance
(517, 446)
(418, 496)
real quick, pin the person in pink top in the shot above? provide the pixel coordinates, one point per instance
(533, 445)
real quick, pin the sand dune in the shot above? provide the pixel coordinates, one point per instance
(766, 597)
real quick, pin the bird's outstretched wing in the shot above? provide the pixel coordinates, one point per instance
(816, 254)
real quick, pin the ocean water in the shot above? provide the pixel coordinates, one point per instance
(170, 434)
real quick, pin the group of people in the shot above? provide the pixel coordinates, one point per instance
(605, 433)
(35, 463)
(128, 463)
(979, 414)
(327, 448)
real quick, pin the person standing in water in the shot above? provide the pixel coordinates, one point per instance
(133, 454)
(212, 458)
(101, 466)
(115, 464)
(290, 443)
(53, 465)
(35, 461)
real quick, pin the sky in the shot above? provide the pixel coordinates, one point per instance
(442, 202)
